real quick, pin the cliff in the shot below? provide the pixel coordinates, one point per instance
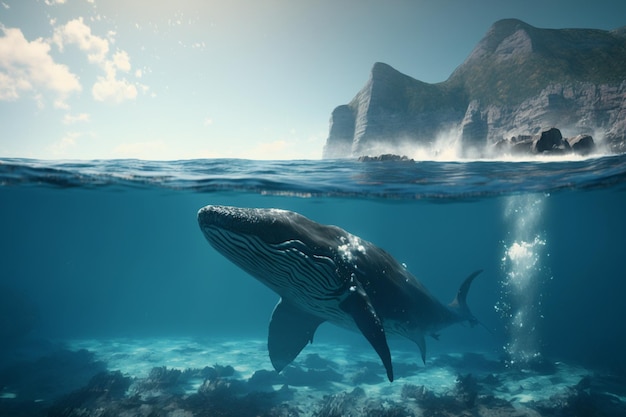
(518, 80)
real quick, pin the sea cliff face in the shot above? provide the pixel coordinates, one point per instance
(519, 80)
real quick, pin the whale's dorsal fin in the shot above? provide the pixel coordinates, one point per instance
(290, 331)
(357, 305)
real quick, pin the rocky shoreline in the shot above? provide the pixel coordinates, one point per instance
(518, 82)
(547, 143)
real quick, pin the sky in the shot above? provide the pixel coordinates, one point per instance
(184, 79)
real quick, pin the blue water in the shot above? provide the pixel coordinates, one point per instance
(99, 249)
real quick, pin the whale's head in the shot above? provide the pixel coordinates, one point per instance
(270, 226)
(271, 244)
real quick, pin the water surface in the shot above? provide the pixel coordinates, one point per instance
(111, 250)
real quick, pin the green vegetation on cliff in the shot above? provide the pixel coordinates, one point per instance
(515, 61)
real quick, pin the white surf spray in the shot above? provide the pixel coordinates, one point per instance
(447, 146)
(524, 278)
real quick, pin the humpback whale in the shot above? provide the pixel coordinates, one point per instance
(323, 273)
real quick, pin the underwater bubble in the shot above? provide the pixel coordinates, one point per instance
(520, 296)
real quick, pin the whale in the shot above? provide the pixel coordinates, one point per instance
(323, 273)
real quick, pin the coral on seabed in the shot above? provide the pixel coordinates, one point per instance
(582, 400)
(104, 388)
(224, 392)
(357, 403)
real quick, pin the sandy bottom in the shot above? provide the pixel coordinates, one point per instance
(193, 377)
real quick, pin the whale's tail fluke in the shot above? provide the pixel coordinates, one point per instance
(459, 304)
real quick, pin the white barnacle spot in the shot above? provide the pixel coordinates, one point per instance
(349, 247)
(355, 242)
(344, 249)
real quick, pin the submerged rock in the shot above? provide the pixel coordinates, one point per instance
(297, 376)
(103, 389)
(315, 361)
(50, 376)
(468, 398)
(581, 400)
(469, 384)
(264, 380)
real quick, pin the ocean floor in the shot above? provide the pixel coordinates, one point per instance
(184, 377)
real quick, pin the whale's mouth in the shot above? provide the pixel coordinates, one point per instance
(263, 243)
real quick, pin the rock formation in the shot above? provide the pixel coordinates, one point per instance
(548, 142)
(518, 81)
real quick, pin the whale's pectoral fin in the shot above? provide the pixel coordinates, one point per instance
(359, 307)
(290, 331)
(421, 342)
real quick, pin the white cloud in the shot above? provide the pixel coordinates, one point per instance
(28, 66)
(76, 32)
(53, 2)
(69, 119)
(121, 61)
(66, 142)
(156, 149)
(10, 86)
(58, 104)
(109, 88)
